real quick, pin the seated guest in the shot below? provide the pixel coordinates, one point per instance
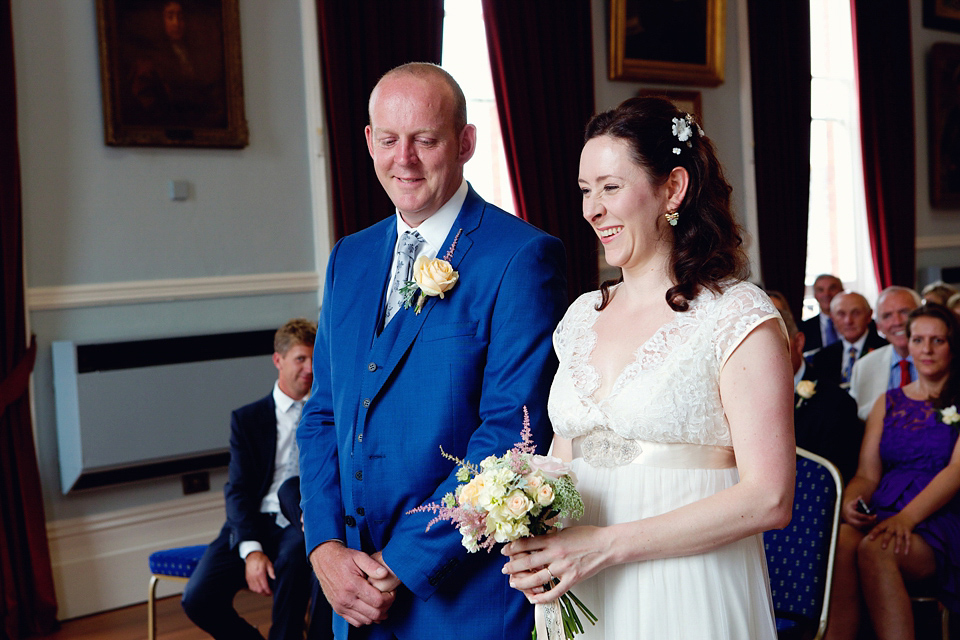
(907, 524)
(891, 366)
(258, 548)
(851, 316)
(824, 415)
(954, 304)
(938, 292)
(819, 331)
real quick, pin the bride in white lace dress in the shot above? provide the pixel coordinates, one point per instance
(673, 400)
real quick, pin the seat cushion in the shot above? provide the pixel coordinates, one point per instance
(179, 562)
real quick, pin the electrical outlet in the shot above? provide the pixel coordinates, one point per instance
(195, 482)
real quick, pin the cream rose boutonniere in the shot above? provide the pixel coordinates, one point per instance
(805, 389)
(431, 277)
(950, 415)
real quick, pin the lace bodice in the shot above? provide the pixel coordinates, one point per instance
(670, 392)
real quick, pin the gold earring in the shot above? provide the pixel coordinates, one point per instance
(671, 217)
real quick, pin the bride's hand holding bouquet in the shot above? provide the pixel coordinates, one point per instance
(519, 496)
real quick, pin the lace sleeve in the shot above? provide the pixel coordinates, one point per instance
(560, 338)
(741, 308)
(571, 321)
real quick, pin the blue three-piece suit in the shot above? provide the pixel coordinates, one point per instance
(456, 376)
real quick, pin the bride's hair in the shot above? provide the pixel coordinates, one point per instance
(707, 247)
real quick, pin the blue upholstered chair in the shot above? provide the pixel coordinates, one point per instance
(800, 556)
(170, 564)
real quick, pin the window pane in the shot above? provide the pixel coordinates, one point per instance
(837, 236)
(466, 58)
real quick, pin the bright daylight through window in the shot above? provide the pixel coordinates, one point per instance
(465, 57)
(837, 235)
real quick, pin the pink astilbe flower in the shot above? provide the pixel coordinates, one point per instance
(526, 444)
(453, 245)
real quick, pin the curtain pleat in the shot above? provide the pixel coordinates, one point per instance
(541, 56)
(884, 68)
(780, 85)
(28, 603)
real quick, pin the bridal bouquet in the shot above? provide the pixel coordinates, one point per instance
(513, 496)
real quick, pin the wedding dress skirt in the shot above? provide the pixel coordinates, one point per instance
(722, 594)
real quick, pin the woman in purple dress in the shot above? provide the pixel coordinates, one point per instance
(901, 511)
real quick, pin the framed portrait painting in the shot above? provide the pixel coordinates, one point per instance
(171, 73)
(942, 14)
(689, 101)
(944, 117)
(667, 41)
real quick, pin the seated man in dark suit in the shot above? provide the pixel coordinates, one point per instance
(851, 314)
(258, 548)
(819, 331)
(825, 416)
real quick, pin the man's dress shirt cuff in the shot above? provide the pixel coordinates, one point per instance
(247, 547)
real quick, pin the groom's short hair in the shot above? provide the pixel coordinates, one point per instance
(425, 70)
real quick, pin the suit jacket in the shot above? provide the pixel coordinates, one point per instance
(811, 329)
(827, 424)
(829, 360)
(870, 377)
(253, 448)
(456, 376)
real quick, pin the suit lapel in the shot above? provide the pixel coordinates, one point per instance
(384, 258)
(268, 433)
(403, 329)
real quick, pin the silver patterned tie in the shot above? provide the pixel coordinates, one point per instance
(407, 250)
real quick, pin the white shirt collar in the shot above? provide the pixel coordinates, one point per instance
(858, 344)
(436, 228)
(282, 400)
(895, 358)
(798, 376)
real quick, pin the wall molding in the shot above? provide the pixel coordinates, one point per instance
(100, 562)
(941, 241)
(144, 291)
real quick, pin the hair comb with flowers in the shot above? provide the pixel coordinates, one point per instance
(683, 130)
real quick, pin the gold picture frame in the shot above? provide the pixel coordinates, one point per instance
(941, 14)
(171, 73)
(689, 101)
(944, 122)
(668, 41)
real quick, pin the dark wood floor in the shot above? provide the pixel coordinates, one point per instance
(130, 623)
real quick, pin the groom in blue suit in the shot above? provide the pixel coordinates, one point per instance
(393, 384)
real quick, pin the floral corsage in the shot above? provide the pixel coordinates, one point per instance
(805, 389)
(431, 277)
(950, 415)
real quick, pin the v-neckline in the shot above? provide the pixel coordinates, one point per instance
(618, 382)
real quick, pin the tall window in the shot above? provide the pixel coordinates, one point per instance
(837, 235)
(465, 57)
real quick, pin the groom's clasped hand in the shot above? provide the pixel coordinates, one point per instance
(358, 586)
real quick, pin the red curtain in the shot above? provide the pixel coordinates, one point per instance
(360, 40)
(28, 603)
(884, 67)
(541, 56)
(780, 84)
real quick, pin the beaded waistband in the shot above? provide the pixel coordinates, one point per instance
(605, 448)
